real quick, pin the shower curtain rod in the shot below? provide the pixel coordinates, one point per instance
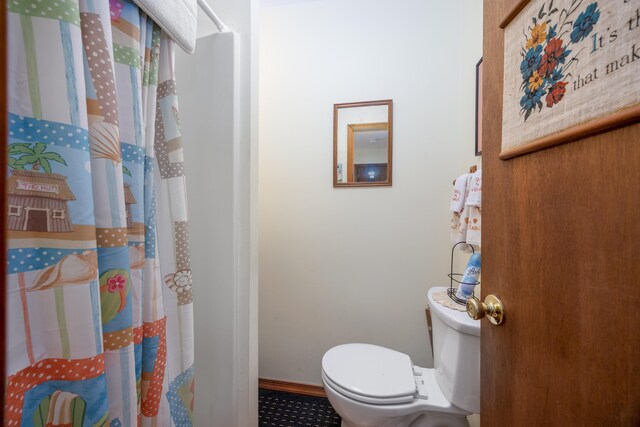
(212, 15)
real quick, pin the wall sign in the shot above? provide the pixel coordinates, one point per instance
(571, 69)
(33, 186)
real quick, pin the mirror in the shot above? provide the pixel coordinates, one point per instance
(362, 141)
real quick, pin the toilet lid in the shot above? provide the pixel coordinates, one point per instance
(370, 371)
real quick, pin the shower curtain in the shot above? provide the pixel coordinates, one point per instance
(100, 311)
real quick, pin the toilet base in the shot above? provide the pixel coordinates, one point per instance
(435, 412)
(423, 420)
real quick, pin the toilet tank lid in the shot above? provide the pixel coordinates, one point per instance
(370, 370)
(458, 320)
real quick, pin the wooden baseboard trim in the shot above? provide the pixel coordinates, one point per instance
(289, 387)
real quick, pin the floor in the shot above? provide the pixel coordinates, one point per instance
(280, 409)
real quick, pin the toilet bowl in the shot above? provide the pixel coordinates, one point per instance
(373, 386)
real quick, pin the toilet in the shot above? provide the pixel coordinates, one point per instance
(373, 386)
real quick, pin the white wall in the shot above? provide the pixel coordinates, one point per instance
(218, 102)
(329, 274)
(370, 153)
(470, 53)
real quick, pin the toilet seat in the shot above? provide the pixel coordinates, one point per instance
(367, 399)
(370, 374)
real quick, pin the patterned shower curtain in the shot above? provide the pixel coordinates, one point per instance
(100, 311)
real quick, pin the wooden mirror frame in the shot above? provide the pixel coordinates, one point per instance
(351, 128)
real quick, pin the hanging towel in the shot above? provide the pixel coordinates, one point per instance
(458, 230)
(459, 221)
(459, 191)
(178, 18)
(473, 207)
(474, 225)
(475, 190)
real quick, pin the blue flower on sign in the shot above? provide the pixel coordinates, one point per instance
(585, 22)
(552, 32)
(531, 99)
(531, 62)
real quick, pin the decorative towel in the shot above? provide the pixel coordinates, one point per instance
(456, 235)
(474, 226)
(475, 192)
(459, 191)
(460, 220)
(178, 18)
(473, 206)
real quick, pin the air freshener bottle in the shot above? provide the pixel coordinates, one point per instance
(470, 278)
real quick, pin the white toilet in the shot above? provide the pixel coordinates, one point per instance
(373, 386)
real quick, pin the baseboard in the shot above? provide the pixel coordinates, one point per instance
(289, 387)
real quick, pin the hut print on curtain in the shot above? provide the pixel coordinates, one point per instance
(100, 321)
(38, 202)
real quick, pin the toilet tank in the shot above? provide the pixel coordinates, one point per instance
(456, 354)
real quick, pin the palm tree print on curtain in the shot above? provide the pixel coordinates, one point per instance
(100, 329)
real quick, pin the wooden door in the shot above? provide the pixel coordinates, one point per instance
(36, 220)
(561, 248)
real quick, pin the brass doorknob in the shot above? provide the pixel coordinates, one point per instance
(492, 307)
